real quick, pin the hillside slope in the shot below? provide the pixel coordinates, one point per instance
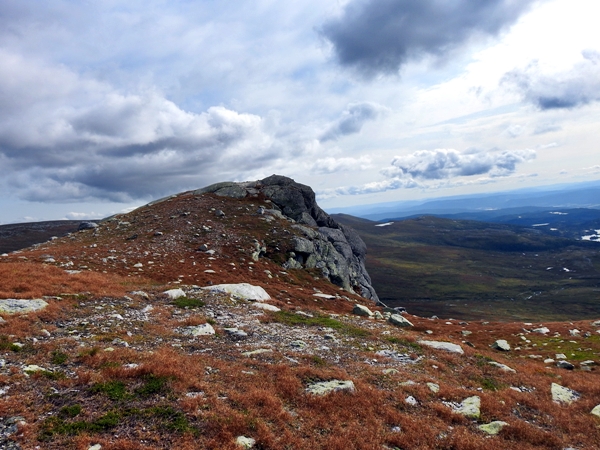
(139, 348)
(477, 270)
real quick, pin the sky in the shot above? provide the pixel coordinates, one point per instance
(107, 105)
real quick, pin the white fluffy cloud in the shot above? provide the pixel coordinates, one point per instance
(448, 163)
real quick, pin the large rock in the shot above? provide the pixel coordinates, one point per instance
(447, 346)
(14, 306)
(493, 428)
(243, 291)
(470, 407)
(501, 345)
(400, 321)
(325, 387)
(561, 394)
(336, 250)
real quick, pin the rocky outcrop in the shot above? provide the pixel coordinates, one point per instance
(322, 243)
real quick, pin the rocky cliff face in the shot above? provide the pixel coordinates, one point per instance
(322, 243)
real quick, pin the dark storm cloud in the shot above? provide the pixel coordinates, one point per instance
(576, 87)
(379, 36)
(353, 119)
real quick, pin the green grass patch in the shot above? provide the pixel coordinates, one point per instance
(292, 319)
(114, 390)
(58, 357)
(70, 411)
(154, 385)
(490, 384)
(57, 425)
(187, 302)
(161, 417)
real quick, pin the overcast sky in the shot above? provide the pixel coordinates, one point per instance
(106, 105)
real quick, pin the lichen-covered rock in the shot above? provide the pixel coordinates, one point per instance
(245, 442)
(399, 321)
(447, 346)
(326, 387)
(561, 394)
(470, 407)
(501, 345)
(15, 306)
(243, 291)
(174, 294)
(493, 428)
(361, 310)
(205, 329)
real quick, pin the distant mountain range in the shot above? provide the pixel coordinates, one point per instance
(573, 196)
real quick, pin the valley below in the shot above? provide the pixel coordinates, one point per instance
(477, 270)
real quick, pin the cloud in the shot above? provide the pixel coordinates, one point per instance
(379, 36)
(353, 119)
(368, 188)
(564, 90)
(448, 163)
(332, 165)
(65, 137)
(439, 168)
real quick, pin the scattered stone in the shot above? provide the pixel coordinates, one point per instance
(466, 332)
(469, 407)
(503, 367)
(574, 332)
(298, 344)
(243, 291)
(589, 362)
(174, 294)
(245, 442)
(361, 310)
(596, 323)
(433, 387)
(95, 447)
(390, 371)
(326, 387)
(493, 428)
(257, 352)
(399, 321)
(548, 361)
(400, 357)
(203, 248)
(377, 315)
(596, 411)
(325, 296)
(15, 306)
(205, 329)
(236, 333)
(34, 368)
(266, 307)
(447, 346)
(87, 226)
(565, 365)
(561, 356)
(410, 400)
(542, 330)
(501, 345)
(561, 394)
